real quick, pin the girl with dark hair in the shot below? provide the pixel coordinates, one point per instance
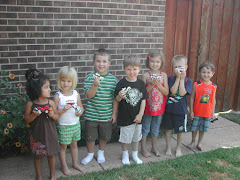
(41, 114)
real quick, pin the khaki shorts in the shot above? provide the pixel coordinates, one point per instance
(67, 134)
(130, 133)
(98, 130)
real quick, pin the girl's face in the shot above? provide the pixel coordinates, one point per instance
(66, 84)
(155, 64)
(46, 90)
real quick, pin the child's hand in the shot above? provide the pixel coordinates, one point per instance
(113, 119)
(138, 119)
(155, 81)
(96, 82)
(36, 113)
(67, 107)
(191, 115)
(78, 114)
(51, 112)
(122, 93)
(183, 75)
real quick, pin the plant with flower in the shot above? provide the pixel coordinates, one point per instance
(14, 131)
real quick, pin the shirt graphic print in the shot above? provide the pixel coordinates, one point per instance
(133, 96)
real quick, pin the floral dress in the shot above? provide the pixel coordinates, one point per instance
(43, 133)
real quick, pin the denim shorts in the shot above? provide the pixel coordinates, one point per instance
(200, 123)
(151, 122)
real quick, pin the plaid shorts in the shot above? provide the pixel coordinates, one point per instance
(67, 134)
(200, 123)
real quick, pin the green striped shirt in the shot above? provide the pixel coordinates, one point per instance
(99, 108)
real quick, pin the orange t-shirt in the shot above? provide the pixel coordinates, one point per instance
(203, 102)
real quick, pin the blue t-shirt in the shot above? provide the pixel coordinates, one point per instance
(178, 104)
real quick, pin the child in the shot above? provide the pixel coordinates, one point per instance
(157, 88)
(175, 116)
(67, 101)
(99, 87)
(41, 114)
(202, 103)
(131, 94)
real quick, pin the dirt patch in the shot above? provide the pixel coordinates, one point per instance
(218, 175)
(220, 162)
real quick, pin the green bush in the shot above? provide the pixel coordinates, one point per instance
(14, 131)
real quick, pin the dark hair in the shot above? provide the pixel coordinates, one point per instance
(208, 65)
(102, 52)
(153, 54)
(35, 81)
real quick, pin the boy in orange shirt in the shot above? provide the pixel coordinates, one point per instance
(202, 103)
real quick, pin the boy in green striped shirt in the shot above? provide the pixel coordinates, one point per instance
(99, 87)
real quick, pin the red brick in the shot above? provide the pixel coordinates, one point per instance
(25, 2)
(15, 8)
(26, 15)
(36, 59)
(17, 48)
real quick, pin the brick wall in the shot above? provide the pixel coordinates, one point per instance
(50, 34)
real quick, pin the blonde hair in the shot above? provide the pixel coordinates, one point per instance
(131, 60)
(67, 72)
(153, 54)
(179, 58)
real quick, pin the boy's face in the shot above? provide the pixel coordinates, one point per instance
(206, 74)
(132, 72)
(101, 64)
(179, 65)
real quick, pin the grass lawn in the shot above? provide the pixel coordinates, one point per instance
(219, 164)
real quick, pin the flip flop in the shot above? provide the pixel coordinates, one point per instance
(199, 148)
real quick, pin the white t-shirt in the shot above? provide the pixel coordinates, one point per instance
(68, 117)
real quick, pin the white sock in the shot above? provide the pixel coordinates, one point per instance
(87, 159)
(125, 158)
(100, 158)
(135, 157)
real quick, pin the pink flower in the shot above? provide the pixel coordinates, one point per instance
(19, 85)
(3, 112)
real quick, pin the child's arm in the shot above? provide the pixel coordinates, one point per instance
(138, 118)
(56, 101)
(214, 104)
(79, 103)
(30, 116)
(115, 110)
(144, 78)
(192, 98)
(53, 113)
(92, 91)
(163, 89)
(120, 95)
(182, 90)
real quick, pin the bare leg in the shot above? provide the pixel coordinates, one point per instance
(62, 157)
(154, 146)
(37, 164)
(168, 142)
(74, 152)
(51, 163)
(194, 134)
(179, 144)
(144, 151)
(199, 145)
(89, 157)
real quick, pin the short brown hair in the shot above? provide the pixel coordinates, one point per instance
(102, 52)
(208, 65)
(153, 54)
(131, 60)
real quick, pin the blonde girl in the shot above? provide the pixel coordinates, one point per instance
(69, 108)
